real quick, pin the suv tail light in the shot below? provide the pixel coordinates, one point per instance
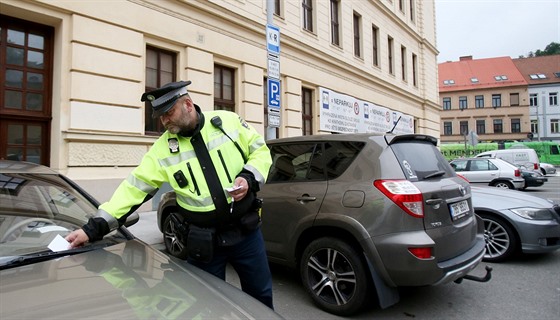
(404, 194)
(536, 166)
(517, 173)
(421, 253)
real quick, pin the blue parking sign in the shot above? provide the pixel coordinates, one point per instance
(273, 93)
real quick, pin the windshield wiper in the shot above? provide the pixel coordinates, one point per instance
(40, 256)
(435, 174)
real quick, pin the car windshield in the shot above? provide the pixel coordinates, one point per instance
(35, 208)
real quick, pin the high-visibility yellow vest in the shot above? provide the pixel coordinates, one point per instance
(173, 153)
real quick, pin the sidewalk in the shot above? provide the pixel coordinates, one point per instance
(147, 230)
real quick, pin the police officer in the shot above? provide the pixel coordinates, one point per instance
(216, 164)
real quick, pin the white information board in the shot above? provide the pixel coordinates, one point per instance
(345, 114)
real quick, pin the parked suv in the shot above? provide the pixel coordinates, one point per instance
(490, 171)
(361, 212)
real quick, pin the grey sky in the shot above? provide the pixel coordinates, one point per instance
(495, 28)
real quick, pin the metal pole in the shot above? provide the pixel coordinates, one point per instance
(538, 120)
(269, 11)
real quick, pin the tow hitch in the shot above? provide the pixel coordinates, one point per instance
(486, 277)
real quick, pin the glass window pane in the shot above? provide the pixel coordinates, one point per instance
(151, 59)
(35, 59)
(15, 134)
(14, 153)
(36, 41)
(34, 81)
(16, 37)
(14, 78)
(34, 135)
(166, 77)
(12, 99)
(34, 102)
(14, 56)
(217, 84)
(227, 85)
(151, 78)
(33, 155)
(166, 63)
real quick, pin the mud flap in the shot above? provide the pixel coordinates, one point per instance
(386, 295)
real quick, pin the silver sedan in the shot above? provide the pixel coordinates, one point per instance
(547, 168)
(515, 221)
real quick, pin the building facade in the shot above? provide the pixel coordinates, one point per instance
(543, 76)
(489, 97)
(72, 72)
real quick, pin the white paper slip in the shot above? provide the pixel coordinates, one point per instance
(233, 188)
(59, 244)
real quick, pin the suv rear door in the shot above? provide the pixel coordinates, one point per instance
(288, 204)
(448, 213)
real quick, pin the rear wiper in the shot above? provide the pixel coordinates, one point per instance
(435, 174)
(45, 255)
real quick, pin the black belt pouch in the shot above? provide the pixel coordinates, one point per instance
(200, 243)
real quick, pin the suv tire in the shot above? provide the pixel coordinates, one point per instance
(172, 243)
(334, 276)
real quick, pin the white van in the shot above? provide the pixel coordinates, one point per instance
(521, 157)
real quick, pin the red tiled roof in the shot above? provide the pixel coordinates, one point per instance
(545, 66)
(484, 70)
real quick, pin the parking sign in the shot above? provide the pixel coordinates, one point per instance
(273, 92)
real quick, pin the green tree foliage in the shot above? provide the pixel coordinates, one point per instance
(551, 49)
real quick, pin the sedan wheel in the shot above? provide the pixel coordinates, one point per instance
(503, 185)
(501, 240)
(334, 276)
(172, 239)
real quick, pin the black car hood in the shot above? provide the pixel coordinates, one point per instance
(127, 280)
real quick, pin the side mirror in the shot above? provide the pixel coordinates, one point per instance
(132, 219)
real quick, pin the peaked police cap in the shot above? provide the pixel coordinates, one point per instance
(164, 98)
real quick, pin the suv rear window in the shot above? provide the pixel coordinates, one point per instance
(311, 161)
(421, 160)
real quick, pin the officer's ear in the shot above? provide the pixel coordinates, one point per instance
(189, 104)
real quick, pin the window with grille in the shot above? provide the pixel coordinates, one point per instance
(496, 100)
(160, 69)
(498, 126)
(357, 35)
(224, 88)
(307, 6)
(307, 111)
(479, 101)
(26, 64)
(335, 22)
(463, 103)
(464, 127)
(447, 103)
(447, 128)
(375, 43)
(480, 126)
(390, 57)
(515, 125)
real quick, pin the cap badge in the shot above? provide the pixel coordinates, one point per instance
(173, 145)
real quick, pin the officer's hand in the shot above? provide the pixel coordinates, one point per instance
(77, 238)
(241, 192)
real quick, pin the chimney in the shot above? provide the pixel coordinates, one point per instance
(465, 58)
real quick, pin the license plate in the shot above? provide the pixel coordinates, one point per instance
(459, 209)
